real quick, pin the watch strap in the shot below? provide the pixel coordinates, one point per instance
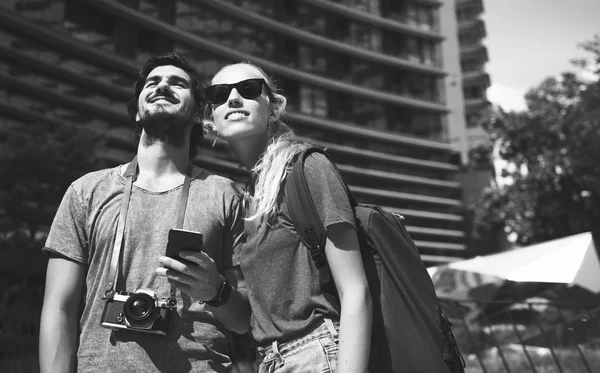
(222, 296)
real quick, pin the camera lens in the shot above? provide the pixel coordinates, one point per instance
(139, 310)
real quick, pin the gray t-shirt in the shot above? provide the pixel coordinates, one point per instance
(84, 229)
(281, 276)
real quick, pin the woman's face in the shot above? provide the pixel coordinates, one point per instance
(240, 118)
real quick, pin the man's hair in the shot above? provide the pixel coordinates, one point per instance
(196, 85)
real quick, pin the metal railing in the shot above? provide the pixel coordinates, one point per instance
(526, 336)
(494, 336)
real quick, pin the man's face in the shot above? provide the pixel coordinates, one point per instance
(166, 106)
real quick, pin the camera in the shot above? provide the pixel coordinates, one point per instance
(140, 311)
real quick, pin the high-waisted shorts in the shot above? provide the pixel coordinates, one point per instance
(315, 352)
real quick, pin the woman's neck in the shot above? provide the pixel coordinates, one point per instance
(248, 151)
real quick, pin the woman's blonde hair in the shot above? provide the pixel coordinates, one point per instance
(269, 173)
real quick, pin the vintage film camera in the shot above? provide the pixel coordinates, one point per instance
(140, 311)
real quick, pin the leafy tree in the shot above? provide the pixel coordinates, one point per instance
(552, 150)
(38, 163)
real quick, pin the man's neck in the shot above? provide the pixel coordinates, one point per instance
(162, 167)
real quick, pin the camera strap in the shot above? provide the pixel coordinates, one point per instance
(130, 176)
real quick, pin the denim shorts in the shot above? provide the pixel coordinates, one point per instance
(315, 352)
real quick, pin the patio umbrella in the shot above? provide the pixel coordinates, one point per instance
(570, 260)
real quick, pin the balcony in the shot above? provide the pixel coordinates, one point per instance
(431, 3)
(374, 20)
(195, 42)
(478, 77)
(243, 15)
(470, 6)
(476, 51)
(472, 27)
(476, 104)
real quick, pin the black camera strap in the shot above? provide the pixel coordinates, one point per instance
(130, 176)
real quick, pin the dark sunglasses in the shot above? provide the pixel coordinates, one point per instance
(249, 88)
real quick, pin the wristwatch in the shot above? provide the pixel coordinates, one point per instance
(222, 296)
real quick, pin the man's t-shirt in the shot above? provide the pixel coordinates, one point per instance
(84, 230)
(281, 276)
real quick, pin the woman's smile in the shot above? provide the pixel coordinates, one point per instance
(237, 114)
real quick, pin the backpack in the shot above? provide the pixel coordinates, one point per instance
(410, 331)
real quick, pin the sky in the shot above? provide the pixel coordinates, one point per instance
(530, 40)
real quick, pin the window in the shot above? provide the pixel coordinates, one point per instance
(414, 53)
(428, 50)
(311, 59)
(421, 87)
(472, 93)
(313, 101)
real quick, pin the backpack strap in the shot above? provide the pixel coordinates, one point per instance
(450, 352)
(305, 218)
(302, 209)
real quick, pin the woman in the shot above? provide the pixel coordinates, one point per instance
(297, 328)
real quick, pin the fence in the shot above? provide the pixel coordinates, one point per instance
(527, 336)
(494, 336)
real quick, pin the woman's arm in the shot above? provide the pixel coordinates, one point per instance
(235, 315)
(200, 279)
(343, 255)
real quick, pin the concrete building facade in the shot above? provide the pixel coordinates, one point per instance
(376, 82)
(473, 57)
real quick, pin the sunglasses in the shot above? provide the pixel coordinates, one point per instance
(250, 88)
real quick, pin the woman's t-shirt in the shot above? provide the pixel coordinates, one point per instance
(282, 279)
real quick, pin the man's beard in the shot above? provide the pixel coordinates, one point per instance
(164, 127)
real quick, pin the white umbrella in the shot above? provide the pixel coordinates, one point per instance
(570, 260)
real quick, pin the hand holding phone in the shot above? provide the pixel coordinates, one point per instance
(181, 239)
(201, 273)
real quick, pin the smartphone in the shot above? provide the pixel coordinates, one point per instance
(180, 239)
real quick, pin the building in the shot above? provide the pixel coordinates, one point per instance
(368, 79)
(473, 57)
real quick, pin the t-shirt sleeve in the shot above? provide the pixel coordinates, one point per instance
(327, 191)
(67, 236)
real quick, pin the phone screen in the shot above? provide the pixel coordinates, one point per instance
(180, 239)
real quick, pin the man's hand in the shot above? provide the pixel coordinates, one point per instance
(196, 275)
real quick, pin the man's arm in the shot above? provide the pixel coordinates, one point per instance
(60, 312)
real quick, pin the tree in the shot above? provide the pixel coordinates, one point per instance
(552, 150)
(38, 162)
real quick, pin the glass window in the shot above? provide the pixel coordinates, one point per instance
(428, 53)
(311, 59)
(427, 125)
(472, 92)
(425, 18)
(414, 52)
(313, 101)
(412, 15)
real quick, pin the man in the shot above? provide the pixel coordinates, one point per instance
(209, 292)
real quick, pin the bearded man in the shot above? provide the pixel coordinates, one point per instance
(113, 301)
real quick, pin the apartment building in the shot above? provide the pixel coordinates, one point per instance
(376, 82)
